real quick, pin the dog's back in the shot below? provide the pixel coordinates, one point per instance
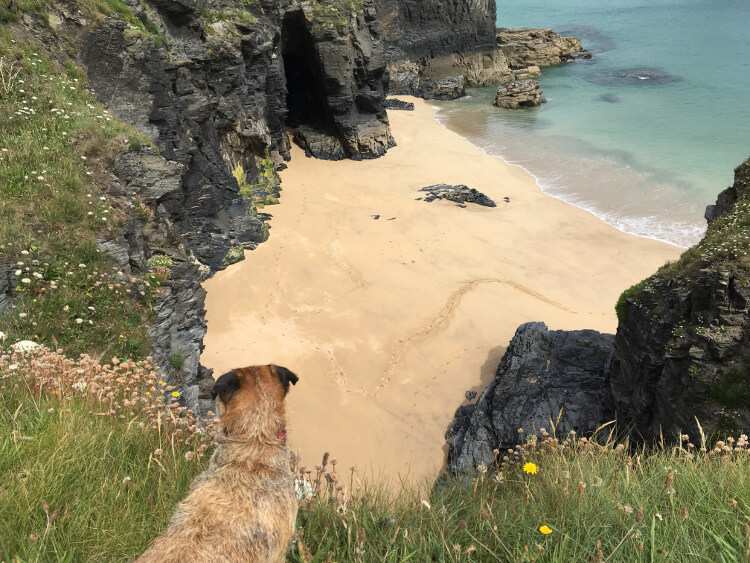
(243, 507)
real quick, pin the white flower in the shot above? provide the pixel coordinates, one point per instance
(79, 321)
(25, 252)
(25, 346)
(22, 315)
(27, 281)
(2, 336)
(18, 272)
(38, 276)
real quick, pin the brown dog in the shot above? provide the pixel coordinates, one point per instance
(243, 507)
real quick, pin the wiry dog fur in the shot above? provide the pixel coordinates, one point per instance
(243, 507)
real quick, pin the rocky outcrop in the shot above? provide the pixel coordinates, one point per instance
(729, 197)
(432, 40)
(395, 103)
(546, 378)
(414, 29)
(450, 88)
(519, 94)
(683, 340)
(459, 194)
(319, 144)
(538, 47)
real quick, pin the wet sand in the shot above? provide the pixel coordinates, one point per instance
(390, 321)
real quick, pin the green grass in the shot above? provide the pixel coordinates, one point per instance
(84, 479)
(56, 146)
(334, 13)
(600, 503)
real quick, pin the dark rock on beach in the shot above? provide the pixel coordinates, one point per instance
(394, 103)
(519, 94)
(450, 88)
(544, 377)
(459, 194)
(319, 144)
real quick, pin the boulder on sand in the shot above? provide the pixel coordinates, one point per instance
(519, 94)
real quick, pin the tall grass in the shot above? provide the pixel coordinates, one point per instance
(93, 458)
(585, 502)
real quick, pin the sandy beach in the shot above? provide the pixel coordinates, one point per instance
(389, 321)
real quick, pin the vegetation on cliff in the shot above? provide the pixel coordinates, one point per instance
(682, 349)
(56, 145)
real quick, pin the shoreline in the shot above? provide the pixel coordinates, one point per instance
(389, 321)
(598, 213)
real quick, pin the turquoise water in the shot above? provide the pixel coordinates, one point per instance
(646, 156)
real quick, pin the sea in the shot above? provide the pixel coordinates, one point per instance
(649, 131)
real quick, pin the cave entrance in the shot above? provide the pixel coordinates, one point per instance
(306, 100)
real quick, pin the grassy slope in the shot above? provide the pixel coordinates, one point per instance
(56, 144)
(93, 458)
(598, 503)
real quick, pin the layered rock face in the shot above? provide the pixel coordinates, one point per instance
(216, 86)
(538, 47)
(683, 341)
(430, 41)
(545, 378)
(414, 29)
(519, 94)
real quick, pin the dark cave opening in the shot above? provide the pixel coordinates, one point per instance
(306, 99)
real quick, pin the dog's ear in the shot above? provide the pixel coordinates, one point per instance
(286, 377)
(226, 386)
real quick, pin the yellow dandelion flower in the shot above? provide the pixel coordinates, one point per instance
(175, 394)
(545, 530)
(530, 468)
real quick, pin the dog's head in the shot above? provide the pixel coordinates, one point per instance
(251, 399)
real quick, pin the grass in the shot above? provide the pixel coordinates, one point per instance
(56, 145)
(334, 13)
(93, 458)
(593, 502)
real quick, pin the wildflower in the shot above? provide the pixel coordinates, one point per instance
(79, 321)
(175, 394)
(482, 468)
(189, 456)
(530, 468)
(26, 281)
(2, 336)
(545, 530)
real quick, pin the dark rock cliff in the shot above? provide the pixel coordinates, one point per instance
(216, 84)
(546, 379)
(683, 341)
(413, 29)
